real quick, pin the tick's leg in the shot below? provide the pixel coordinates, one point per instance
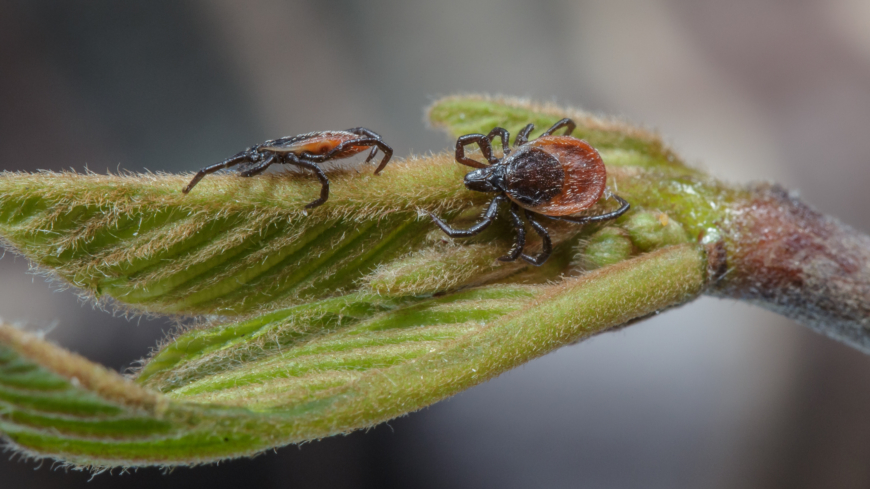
(324, 182)
(485, 148)
(362, 131)
(367, 141)
(602, 217)
(485, 143)
(235, 160)
(547, 245)
(523, 136)
(563, 123)
(259, 167)
(372, 154)
(488, 217)
(521, 235)
(388, 153)
(505, 137)
(375, 142)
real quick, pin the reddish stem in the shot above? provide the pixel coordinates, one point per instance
(786, 257)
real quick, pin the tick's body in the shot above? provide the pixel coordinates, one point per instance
(314, 143)
(304, 151)
(553, 176)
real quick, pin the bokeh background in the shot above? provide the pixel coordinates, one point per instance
(716, 394)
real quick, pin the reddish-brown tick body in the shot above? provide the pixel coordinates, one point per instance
(553, 176)
(316, 143)
(305, 151)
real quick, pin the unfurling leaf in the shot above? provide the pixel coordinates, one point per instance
(313, 370)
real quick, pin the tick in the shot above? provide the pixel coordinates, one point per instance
(304, 151)
(551, 176)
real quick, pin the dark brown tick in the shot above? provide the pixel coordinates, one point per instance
(551, 176)
(304, 151)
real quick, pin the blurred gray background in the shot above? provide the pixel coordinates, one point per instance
(716, 394)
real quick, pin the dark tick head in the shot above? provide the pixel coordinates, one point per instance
(484, 179)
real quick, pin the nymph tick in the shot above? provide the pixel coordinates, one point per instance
(304, 151)
(551, 176)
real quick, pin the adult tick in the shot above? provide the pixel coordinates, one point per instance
(304, 151)
(551, 176)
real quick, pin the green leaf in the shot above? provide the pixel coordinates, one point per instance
(314, 370)
(232, 246)
(619, 143)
